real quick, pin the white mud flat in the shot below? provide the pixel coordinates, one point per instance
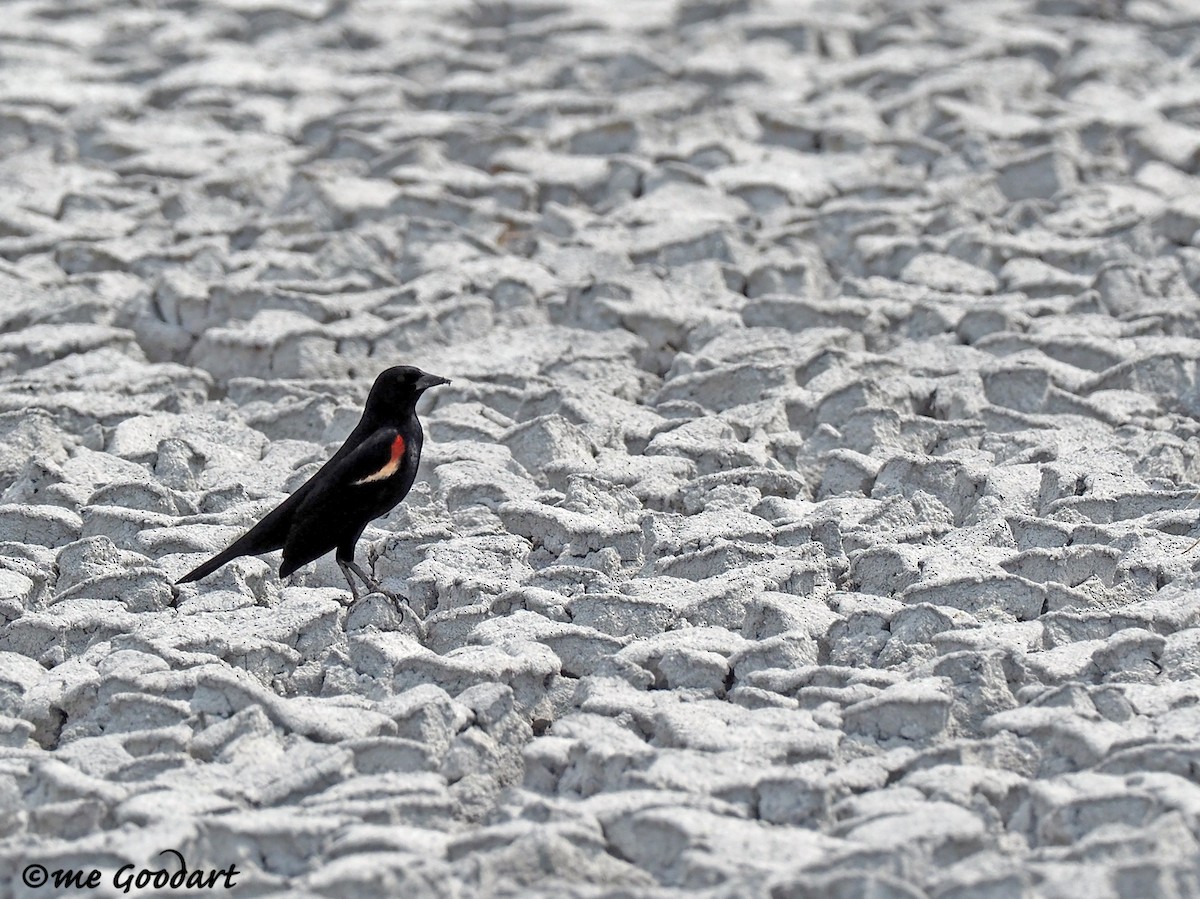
(809, 515)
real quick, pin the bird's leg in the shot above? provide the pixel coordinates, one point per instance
(366, 578)
(402, 606)
(349, 580)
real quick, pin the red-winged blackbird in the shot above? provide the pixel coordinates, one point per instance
(366, 478)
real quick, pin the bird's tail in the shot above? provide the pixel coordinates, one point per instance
(264, 537)
(212, 564)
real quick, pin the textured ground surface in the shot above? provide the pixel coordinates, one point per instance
(807, 517)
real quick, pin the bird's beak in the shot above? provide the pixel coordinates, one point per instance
(426, 381)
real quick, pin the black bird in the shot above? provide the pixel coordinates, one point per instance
(365, 479)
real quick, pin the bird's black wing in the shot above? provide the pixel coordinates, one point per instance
(333, 510)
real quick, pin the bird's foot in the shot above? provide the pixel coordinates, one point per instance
(415, 624)
(400, 602)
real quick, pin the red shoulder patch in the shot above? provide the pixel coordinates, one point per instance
(392, 465)
(398, 447)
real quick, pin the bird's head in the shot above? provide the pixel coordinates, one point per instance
(397, 389)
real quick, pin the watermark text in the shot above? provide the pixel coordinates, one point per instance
(130, 878)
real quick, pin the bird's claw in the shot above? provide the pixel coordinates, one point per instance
(402, 606)
(405, 611)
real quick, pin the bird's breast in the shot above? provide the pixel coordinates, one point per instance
(392, 465)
